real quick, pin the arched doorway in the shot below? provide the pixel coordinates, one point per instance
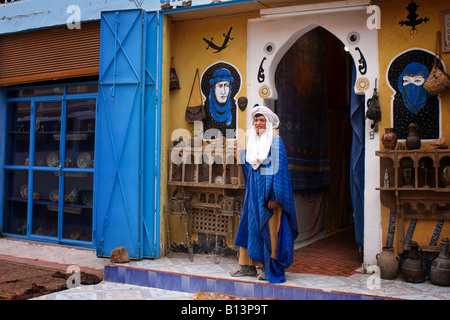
(314, 82)
(271, 36)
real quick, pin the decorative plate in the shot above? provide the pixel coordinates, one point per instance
(38, 124)
(52, 159)
(264, 91)
(73, 196)
(362, 84)
(24, 191)
(87, 197)
(54, 196)
(83, 160)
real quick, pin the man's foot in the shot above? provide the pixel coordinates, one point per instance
(262, 276)
(244, 271)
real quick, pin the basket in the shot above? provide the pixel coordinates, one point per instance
(438, 81)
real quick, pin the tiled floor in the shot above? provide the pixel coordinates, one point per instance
(115, 291)
(177, 277)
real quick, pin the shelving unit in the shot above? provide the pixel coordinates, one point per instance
(411, 184)
(209, 194)
(49, 165)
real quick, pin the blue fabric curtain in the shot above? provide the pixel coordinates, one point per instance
(357, 119)
(302, 108)
(309, 85)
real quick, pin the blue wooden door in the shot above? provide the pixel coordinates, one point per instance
(152, 135)
(120, 142)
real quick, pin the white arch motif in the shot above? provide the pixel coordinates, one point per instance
(280, 28)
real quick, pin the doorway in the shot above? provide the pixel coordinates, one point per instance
(314, 84)
(269, 39)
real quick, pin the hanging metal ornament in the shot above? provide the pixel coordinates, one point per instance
(242, 103)
(373, 108)
(174, 82)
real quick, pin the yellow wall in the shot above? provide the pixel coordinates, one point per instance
(184, 43)
(164, 136)
(393, 40)
(189, 52)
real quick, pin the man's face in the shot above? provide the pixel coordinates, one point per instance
(221, 90)
(260, 123)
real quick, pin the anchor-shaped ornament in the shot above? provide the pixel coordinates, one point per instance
(412, 20)
(225, 43)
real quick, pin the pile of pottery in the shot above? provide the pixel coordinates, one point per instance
(413, 268)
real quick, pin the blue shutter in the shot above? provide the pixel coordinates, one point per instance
(120, 134)
(151, 130)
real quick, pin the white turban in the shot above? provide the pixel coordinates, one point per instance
(268, 114)
(258, 146)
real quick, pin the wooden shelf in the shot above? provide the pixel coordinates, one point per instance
(206, 185)
(414, 189)
(207, 189)
(414, 168)
(198, 174)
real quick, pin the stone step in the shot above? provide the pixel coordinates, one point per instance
(240, 288)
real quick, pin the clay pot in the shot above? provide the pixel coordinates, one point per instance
(413, 139)
(440, 267)
(413, 269)
(389, 139)
(387, 261)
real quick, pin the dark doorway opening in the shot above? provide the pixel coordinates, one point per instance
(314, 83)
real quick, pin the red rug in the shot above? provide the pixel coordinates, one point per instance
(336, 255)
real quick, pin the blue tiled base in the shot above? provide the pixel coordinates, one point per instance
(193, 284)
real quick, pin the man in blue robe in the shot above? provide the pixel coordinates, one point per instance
(268, 225)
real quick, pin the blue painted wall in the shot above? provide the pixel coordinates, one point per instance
(35, 14)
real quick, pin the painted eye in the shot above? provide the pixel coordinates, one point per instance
(418, 81)
(406, 80)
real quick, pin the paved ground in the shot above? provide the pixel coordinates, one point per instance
(116, 291)
(25, 280)
(214, 273)
(22, 281)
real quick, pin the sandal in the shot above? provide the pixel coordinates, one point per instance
(262, 276)
(244, 271)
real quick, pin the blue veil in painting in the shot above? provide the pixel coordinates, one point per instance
(220, 112)
(410, 85)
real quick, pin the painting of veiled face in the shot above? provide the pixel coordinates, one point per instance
(412, 103)
(220, 83)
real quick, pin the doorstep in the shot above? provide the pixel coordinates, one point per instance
(235, 287)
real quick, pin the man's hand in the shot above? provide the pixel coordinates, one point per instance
(238, 149)
(272, 204)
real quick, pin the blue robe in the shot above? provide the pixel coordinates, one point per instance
(271, 181)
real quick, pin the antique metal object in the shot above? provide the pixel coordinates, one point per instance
(440, 267)
(388, 263)
(413, 269)
(230, 206)
(179, 206)
(413, 140)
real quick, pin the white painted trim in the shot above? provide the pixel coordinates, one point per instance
(281, 27)
(277, 13)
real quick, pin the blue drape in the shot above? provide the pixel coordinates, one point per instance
(271, 181)
(357, 119)
(301, 81)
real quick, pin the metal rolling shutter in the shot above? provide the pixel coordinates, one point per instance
(49, 54)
